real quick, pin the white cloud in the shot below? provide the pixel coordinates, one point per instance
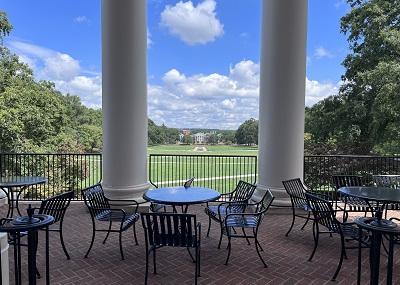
(81, 20)
(62, 69)
(321, 52)
(316, 91)
(149, 40)
(193, 24)
(199, 100)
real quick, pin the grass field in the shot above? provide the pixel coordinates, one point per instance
(210, 150)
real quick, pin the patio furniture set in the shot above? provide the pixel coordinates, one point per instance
(168, 222)
(330, 214)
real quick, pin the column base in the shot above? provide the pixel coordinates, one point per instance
(281, 197)
(4, 258)
(134, 192)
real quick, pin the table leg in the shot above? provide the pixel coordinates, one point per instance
(375, 252)
(359, 257)
(32, 257)
(47, 257)
(17, 199)
(390, 261)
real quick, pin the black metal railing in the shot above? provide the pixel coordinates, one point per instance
(63, 171)
(318, 169)
(220, 172)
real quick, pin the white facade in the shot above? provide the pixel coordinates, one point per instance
(199, 138)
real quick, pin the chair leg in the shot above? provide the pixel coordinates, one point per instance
(108, 232)
(209, 226)
(93, 236)
(199, 251)
(229, 250)
(258, 251)
(154, 261)
(196, 271)
(316, 237)
(244, 233)
(220, 237)
(342, 254)
(134, 234)
(63, 244)
(120, 246)
(147, 267)
(293, 218)
(308, 218)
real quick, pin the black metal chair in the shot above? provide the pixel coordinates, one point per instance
(171, 229)
(325, 216)
(56, 206)
(296, 191)
(217, 210)
(351, 204)
(156, 207)
(101, 210)
(248, 220)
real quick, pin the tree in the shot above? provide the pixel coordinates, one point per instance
(365, 116)
(247, 132)
(5, 26)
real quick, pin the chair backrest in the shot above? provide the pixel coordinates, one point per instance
(243, 191)
(188, 183)
(95, 200)
(265, 202)
(57, 205)
(170, 229)
(392, 181)
(296, 191)
(347, 180)
(323, 212)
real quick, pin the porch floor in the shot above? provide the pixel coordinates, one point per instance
(286, 257)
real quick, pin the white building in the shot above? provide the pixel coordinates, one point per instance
(199, 138)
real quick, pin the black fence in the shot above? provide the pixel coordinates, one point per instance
(220, 172)
(318, 169)
(63, 171)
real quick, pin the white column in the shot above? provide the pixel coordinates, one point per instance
(282, 95)
(4, 258)
(124, 55)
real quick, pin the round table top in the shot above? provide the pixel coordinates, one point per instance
(181, 195)
(19, 181)
(24, 223)
(371, 193)
(371, 223)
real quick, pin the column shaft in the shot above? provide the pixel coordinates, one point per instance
(124, 65)
(282, 94)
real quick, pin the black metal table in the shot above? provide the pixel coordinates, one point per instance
(17, 184)
(381, 196)
(30, 224)
(181, 196)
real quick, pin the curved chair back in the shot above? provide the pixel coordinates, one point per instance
(243, 191)
(95, 200)
(323, 212)
(347, 180)
(170, 229)
(56, 206)
(296, 191)
(265, 202)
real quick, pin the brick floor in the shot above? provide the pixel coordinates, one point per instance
(286, 257)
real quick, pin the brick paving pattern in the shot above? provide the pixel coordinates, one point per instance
(286, 257)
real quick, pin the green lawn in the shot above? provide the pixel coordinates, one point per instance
(211, 150)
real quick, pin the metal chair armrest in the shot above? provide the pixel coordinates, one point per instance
(125, 203)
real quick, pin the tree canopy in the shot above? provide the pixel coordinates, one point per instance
(247, 132)
(365, 116)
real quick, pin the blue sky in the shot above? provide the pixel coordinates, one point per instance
(203, 55)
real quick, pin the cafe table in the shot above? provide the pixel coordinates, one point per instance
(13, 186)
(377, 199)
(181, 196)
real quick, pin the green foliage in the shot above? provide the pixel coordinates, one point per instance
(247, 132)
(5, 26)
(161, 134)
(365, 116)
